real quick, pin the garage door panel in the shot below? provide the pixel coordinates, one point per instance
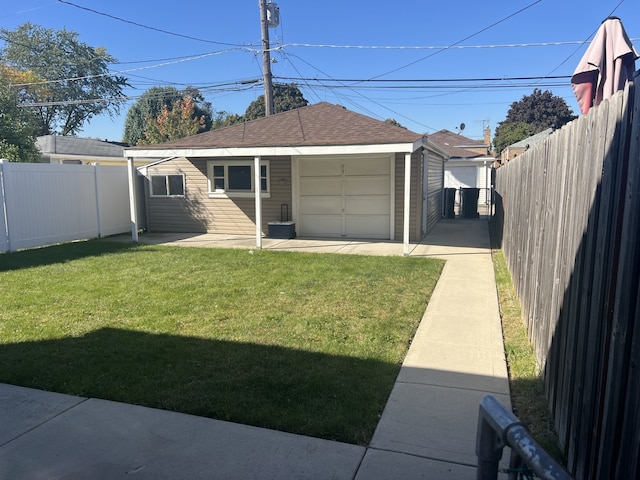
(321, 225)
(321, 205)
(367, 204)
(456, 177)
(367, 166)
(368, 226)
(367, 185)
(344, 197)
(321, 185)
(325, 167)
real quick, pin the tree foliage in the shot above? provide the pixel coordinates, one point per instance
(510, 133)
(530, 115)
(78, 84)
(152, 104)
(174, 123)
(286, 96)
(17, 126)
(393, 121)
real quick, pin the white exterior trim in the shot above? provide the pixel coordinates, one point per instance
(274, 151)
(407, 202)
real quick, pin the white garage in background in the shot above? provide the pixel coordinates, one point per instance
(461, 177)
(469, 164)
(345, 196)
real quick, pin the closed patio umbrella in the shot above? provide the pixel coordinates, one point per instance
(606, 66)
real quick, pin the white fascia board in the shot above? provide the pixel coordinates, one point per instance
(431, 146)
(86, 158)
(272, 151)
(472, 159)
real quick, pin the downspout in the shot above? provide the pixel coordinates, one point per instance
(133, 207)
(407, 202)
(258, 194)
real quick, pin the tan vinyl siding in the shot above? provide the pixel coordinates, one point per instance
(415, 206)
(196, 212)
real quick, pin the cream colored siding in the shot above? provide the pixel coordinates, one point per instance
(196, 212)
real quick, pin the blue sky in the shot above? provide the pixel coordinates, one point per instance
(327, 48)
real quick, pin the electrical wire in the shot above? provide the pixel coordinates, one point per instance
(160, 30)
(459, 41)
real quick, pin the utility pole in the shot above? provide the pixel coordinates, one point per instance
(266, 60)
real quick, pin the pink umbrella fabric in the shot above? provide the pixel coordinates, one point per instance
(606, 66)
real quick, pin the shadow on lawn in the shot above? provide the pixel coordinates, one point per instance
(297, 391)
(65, 252)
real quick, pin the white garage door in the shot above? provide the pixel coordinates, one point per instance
(344, 197)
(456, 177)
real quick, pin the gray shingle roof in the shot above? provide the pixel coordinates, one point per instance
(49, 144)
(457, 145)
(533, 139)
(321, 124)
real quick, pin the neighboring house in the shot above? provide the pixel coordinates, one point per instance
(512, 151)
(469, 164)
(334, 172)
(80, 151)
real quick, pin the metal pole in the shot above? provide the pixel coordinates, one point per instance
(497, 428)
(266, 60)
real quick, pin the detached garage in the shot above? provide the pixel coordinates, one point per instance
(335, 173)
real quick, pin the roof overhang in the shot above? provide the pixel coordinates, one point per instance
(482, 159)
(422, 142)
(273, 151)
(79, 156)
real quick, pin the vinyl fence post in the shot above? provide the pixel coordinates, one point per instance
(3, 194)
(133, 206)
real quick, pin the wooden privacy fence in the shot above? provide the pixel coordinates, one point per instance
(569, 215)
(44, 203)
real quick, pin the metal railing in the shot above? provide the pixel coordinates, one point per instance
(499, 428)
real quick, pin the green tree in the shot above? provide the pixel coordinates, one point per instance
(78, 83)
(393, 121)
(538, 111)
(286, 96)
(152, 103)
(510, 133)
(17, 126)
(174, 123)
(224, 119)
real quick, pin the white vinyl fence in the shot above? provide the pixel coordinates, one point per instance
(43, 204)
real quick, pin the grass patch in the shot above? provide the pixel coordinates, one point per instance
(527, 385)
(303, 343)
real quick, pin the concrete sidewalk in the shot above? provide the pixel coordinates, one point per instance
(427, 429)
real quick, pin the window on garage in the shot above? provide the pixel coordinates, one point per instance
(236, 178)
(167, 185)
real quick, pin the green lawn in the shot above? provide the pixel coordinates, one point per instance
(304, 343)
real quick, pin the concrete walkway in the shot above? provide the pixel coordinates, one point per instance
(427, 430)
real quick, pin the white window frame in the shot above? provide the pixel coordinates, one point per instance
(225, 193)
(166, 176)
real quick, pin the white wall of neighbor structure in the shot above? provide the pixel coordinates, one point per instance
(43, 204)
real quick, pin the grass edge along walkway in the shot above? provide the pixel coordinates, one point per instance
(528, 398)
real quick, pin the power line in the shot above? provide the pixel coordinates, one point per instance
(434, 47)
(460, 41)
(425, 80)
(220, 87)
(141, 25)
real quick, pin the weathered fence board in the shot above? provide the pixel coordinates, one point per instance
(568, 214)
